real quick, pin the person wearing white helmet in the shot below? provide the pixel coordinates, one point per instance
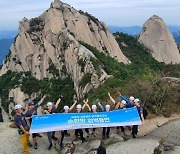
(23, 128)
(79, 131)
(51, 110)
(118, 105)
(65, 132)
(66, 109)
(130, 102)
(106, 130)
(140, 111)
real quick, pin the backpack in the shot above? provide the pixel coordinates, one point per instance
(145, 113)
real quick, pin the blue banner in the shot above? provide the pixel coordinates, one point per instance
(68, 121)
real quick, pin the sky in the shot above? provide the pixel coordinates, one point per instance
(112, 12)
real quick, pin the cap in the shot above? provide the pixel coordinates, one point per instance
(49, 104)
(30, 103)
(136, 100)
(18, 106)
(131, 98)
(108, 106)
(94, 107)
(66, 107)
(79, 106)
(123, 102)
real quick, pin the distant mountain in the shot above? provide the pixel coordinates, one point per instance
(4, 48)
(158, 39)
(5, 34)
(177, 37)
(134, 30)
(174, 29)
(6, 39)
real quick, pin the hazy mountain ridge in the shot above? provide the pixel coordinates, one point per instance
(136, 30)
(4, 48)
(132, 30)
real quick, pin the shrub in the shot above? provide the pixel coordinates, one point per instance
(82, 64)
(85, 80)
(53, 70)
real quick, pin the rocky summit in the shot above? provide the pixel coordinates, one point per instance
(52, 42)
(158, 39)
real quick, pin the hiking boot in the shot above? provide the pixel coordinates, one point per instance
(35, 146)
(107, 136)
(29, 144)
(133, 136)
(83, 140)
(61, 146)
(50, 146)
(88, 134)
(38, 135)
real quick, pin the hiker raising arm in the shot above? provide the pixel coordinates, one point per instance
(101, 107)
(72, 106)
(86, 104)
(57, 103)
(40, 102)
(111, 98)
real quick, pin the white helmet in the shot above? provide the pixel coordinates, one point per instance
(66, 107)
(136, 100)
(108, 106)
(131, 98)
(94, 107)
(49, 104)
(18, 106)
(79, 106)
(123, 102)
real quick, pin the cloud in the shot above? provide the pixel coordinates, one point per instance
(113, 12)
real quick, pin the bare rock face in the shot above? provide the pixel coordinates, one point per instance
(52, 40)
(158, 39)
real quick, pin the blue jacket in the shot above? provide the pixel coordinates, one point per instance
(102, 108)
(128, 104)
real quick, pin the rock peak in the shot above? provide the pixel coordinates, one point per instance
(158, 39)
(56, 4)
(51, 45)
(155, 17)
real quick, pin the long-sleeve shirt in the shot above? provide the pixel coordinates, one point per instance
(102, 108)
(128, 104)
(29, 113)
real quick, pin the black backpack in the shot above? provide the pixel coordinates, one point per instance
(145, 112)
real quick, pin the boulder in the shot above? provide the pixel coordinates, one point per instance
(87, 147)
(133, 146)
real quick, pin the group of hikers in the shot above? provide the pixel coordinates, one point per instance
(23, 121)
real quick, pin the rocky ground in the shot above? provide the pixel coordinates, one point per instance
(157, 135)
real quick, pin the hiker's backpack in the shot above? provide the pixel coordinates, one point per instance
(145, 113)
